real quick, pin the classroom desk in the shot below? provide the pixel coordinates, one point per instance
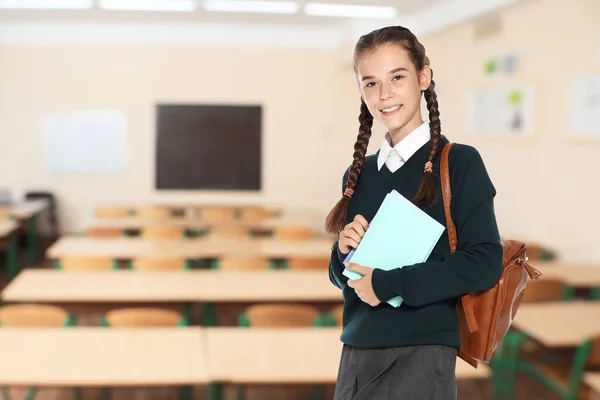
(8, 233)
(576, 275)
(285, 355)
(592, 379)
(555, 325)
(189, 209)
(560, 324)
(193, 224)
(28, 211)
(127, 248)
(55, 286)
(101, 357)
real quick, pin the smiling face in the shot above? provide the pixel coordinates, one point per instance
(391, 87)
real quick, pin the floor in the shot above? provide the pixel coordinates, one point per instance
(468, 390)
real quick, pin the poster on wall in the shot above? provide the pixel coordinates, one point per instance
(86, 141)
(585, 107)
(502, 111)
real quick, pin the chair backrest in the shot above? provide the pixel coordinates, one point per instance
(537, 252)
(593, 361)
(33, 315)
(103, 233)
(158, 264)
(153, 212)
(112, 212)
(293, 233)
(4, 213)
(281, 315)
(337, 314)
(242, 263)
(228, 232)
(162, 232)
(254, 213)
(544, 290)
(217, 214)
(318, 264)
(143, 318)
(86, 264)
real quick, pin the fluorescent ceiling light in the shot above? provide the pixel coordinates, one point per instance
(46, 4)
(349, 11)
(277, 7)
(148, 5)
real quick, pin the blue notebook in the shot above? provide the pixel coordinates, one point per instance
(400, 234)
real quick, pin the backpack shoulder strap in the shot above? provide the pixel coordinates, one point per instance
(452, 237)
(447, 196)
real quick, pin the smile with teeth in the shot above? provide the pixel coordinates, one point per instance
(390, 109)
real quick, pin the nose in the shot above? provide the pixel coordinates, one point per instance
(385, 92)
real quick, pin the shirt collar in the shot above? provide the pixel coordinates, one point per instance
(407, 146)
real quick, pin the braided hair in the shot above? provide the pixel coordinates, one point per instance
(426, 195)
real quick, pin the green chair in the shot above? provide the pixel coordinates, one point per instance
(163, 232)
(158, 264)
(334, 317)
(243, 263)
(306, 264)
(32, 316)
(86, 264)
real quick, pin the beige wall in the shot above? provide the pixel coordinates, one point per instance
(299, 90)
(310, 118)
(547, 188)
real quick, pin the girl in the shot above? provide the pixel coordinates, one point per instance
(407, 352)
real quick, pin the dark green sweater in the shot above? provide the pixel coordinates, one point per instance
(430, 290)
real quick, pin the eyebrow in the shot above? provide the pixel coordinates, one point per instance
(364, 78)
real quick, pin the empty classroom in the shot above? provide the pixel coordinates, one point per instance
(168, 171)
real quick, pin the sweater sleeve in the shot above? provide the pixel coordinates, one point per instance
(336, 262)
(477, 263)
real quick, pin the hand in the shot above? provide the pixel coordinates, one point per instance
(363, 286)
(352, 234)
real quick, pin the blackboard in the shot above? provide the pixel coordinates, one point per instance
(208, 147)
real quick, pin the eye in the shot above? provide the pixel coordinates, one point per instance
(398, 77)
(370, 84)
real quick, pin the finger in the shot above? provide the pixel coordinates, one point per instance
(357, 227)
(351, 283)
(352, 234)
(360, 219)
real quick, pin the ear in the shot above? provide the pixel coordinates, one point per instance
(425, 77)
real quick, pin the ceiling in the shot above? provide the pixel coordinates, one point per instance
(405, 8)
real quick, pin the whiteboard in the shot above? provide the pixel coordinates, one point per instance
(585, 107)
(508, 110)
(86, 141)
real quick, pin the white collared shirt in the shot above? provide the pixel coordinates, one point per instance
(395, 157)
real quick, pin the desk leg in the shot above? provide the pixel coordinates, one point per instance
(186, 393)
(11, 256)
(209, 315)
(32, 241)
(215, 391)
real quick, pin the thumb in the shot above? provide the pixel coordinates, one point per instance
(359, 269)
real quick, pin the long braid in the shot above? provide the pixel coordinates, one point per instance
(427, 193)
(335, 220)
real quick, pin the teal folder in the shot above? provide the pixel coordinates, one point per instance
(399, 234)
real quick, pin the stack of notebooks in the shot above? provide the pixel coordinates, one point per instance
(400, 234)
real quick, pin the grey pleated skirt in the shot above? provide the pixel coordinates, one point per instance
(402, 373)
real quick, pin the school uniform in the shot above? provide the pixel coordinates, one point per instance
(410, 352)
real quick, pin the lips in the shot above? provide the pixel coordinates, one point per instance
(390, 110)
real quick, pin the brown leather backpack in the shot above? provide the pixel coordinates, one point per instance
(485, 317)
